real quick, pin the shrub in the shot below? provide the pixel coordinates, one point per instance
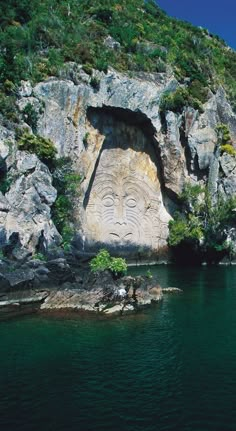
(118, 266)
(5, 183)
(88, 68)
(224, 139)
(42, 147)
(8, 108)
(95, 82)
(229, 149)
(178, 100)
(39, 256)
(86, 140)
(66, 181)
(30, 116)
(223, 134)
(178, 231)
(202, 225)
(149, 274)
(103, 261)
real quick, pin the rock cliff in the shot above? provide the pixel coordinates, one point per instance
(133, 160)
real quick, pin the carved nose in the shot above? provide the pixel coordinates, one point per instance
(119, 214)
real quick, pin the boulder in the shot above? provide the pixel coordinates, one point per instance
(111, 43)
(59, 271)
(20, 278)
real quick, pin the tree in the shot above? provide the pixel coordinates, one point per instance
(199, 231)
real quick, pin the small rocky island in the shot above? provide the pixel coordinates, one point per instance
(55, 285)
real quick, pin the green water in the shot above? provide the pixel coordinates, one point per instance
(169, 368)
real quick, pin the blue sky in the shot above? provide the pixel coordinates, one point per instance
(216, 15)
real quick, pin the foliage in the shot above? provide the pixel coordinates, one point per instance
(118, 266)
(39, 256)
(224, 139)
(7, 108)
(30, 116)
(178, 100)
(37, 38)
(223, 134)
(67, 182)
(100, 262)
(183, 230)
(6, 177)
(202, 224)
(5, 183)
(86, 139)
(103, 261)
(95, 82)
(149, 274)
(229, 149)
(42, 147)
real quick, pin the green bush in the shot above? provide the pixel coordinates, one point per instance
(67, 182)
(178, 100)
(30, 116)
(149, 274)
(223, 134)
(103, 261)
(39, 256)
(42, 147)
(201, 224)
(8, 108)
(229, 149)
(224, 139)
(118, 266)
(5, 183)
(95, 82)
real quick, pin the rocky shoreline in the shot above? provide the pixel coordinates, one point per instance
(39, 286)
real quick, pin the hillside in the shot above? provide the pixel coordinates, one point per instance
(36, 40)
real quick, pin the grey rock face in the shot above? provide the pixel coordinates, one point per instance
(227, 182)
(116, 123)
(6, 140)
(201, 133)
(172, 155)
(133, 161)
(26, 206)
(19, 278)
(228, 164)
(25, 89)
(111, 43)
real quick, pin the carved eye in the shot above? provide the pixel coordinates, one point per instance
(108, 201)
(131, 203)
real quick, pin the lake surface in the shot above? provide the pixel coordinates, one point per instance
(169, 368)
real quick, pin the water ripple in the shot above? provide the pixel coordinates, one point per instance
(171, 368)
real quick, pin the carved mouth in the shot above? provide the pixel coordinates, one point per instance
(121, 237)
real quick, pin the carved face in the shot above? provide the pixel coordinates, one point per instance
(123, 209)
(124, 206)
(117, 207)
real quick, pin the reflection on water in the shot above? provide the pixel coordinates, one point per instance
(169, 368)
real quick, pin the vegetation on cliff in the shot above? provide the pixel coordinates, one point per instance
(37, 38)
(225, 140)
(201, 227)
(67, 182)
(42, 147)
